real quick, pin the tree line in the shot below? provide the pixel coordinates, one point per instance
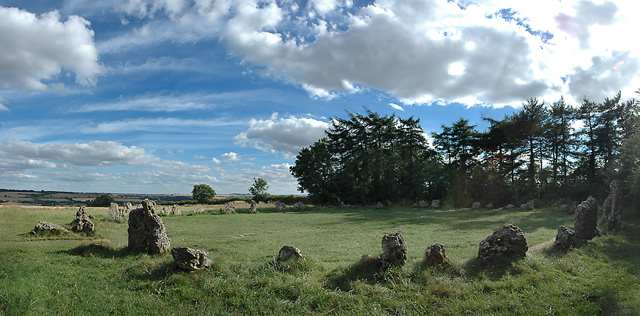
(535, 153)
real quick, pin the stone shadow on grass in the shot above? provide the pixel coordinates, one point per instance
(100, 251)
(368, 269)
(493, 270)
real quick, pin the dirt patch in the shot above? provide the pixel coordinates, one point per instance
(542, 245)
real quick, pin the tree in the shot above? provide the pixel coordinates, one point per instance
(101, 201)
(365, 159)
(203, 193)
(259, 186)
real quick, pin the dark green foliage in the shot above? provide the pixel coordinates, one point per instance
(365, 159)
(102, 201)
(203, 193)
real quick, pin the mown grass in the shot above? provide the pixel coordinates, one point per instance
(602, 277)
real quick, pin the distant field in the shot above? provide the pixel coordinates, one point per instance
(55, 198)
(86, 276)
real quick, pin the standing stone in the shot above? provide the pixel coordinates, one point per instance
(299, 206)
(489, 206)
(82, 222)
(190, 259)
(509, 207)
(388, 202)
(48, 228)
(565, 238)
(586, 219)
(379, 205)
(435, 255)
(127, 208)
(253, 207)
(423, 203)
(289, 252)
(281, 207)
(163, 211)
(114, 213)
(475, 205)
(230, 207)
(435, 203)
(612, 206)
(174, 210)
(530, 205)
(146, 230)
(198, 211)
(508, 242)
(394, 250)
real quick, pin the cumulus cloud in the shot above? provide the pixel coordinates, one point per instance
(99, 153)
(395, 106)
(230, 157)
(494, 52)
(37, 48)
(284, 135)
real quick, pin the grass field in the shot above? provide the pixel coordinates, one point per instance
(96, 275)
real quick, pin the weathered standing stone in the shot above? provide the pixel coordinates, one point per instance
(114, 213)
(82, 223)
(198, 211)
(586, 219)
(299, 206)
(164, 211)
(530, 205)
(394, 250)
(190, 259)
(379, 205)
(435, 203)
(48, 228)
(146, 230)
(230, 207)
(489, 206)
(281, 207)
(612, 206)
(289, 252)
(435, 255)
(508, 242)
(509, 207)
(423, 203)
(475, 205)
(388, 203)
(253, 207)
(565, 238)
(175, 210)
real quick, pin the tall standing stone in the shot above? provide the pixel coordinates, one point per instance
(146, 230)
(394, 250)
(612, 206)
(586, 219)
(281, 207)
(114, 213)
(82, 222)
(253, 207)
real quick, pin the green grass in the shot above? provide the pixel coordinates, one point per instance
(80, 277)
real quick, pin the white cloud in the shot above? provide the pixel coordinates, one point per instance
(216, 161)
(416, 51)
(395, 106)
(37, 48)
(230, 157)
(98, 153)
(284, 135)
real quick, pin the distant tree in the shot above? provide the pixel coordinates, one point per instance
(102, 200)
(259, 186)
(203, 193)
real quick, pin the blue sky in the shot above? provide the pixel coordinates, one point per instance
(155, 96)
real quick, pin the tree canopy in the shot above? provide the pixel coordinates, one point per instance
(364, 159)
(102, 201)
(203, 193)
(549, 152)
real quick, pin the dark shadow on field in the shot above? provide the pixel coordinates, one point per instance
(367, 269)
(100, 251)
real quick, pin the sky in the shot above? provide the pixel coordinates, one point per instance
(155, 96)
